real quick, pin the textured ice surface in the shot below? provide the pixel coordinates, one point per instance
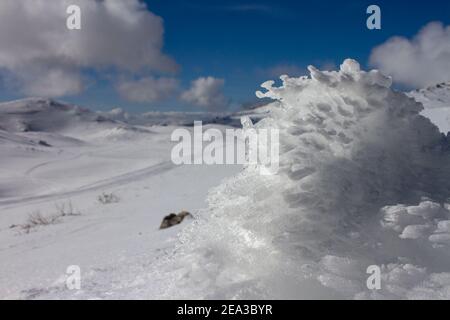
(363, 180)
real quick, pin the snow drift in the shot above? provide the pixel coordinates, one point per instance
(363, 180)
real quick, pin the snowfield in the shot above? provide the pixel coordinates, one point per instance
(55, 158)
(363, 181)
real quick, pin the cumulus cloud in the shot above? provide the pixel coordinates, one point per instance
(48, 59)
(206, 92)
(147, 89)
(424, 60)
(53, 83)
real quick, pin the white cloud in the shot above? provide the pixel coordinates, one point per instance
(52, 82)
(147, 89)
(421, 61)
(47, 59)
(206, 92)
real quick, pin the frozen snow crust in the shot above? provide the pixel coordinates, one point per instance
(363, 180)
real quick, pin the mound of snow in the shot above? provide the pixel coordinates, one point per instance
(357, 164)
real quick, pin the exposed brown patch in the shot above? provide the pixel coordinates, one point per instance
(174, 219)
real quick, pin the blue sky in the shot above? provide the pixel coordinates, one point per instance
(247, 42)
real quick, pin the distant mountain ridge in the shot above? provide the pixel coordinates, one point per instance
(437, 96)
(436, 101)
(43, 115)
(47, 115)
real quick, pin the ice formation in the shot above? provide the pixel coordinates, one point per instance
(363, 180)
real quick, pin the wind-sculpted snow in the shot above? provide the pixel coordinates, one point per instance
(363, 180)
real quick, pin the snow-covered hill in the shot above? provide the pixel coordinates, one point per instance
(37, 117)
(436, 100)
(43, 115)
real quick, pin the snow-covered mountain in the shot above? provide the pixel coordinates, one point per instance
(43, 115)
(436, 100)
(38, 117)
(437, 96)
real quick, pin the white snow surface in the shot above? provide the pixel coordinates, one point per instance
(57, 157)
